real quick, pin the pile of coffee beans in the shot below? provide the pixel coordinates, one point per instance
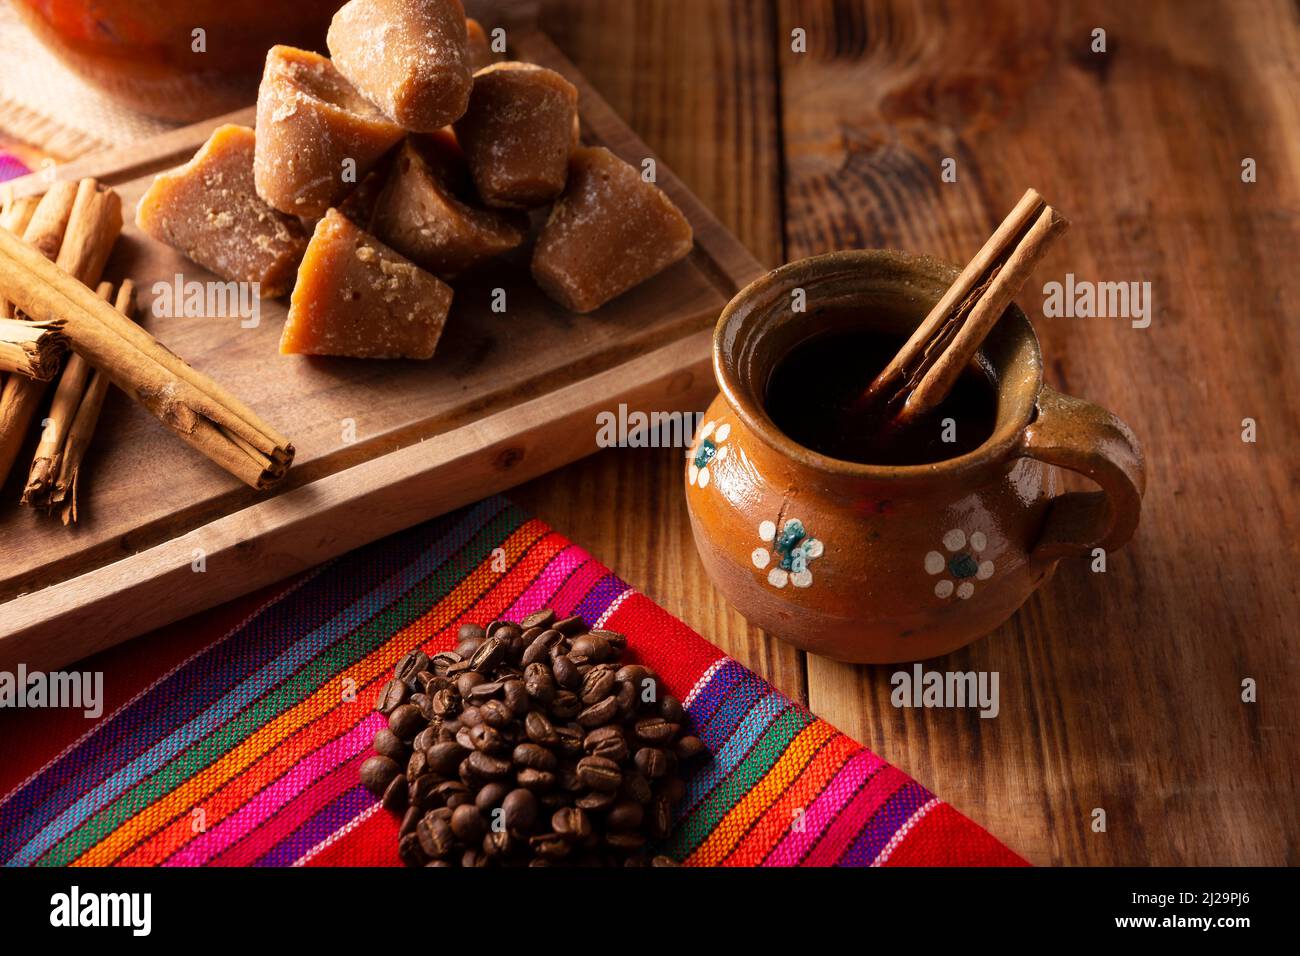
(529, 745)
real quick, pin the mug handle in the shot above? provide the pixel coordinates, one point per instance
(1087, 439)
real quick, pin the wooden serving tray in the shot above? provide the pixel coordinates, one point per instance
(507, 397)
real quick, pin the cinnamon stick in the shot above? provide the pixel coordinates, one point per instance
(67, 398)
(31, 349)
(63, 494)
(85, 238)
(198, 410)
(924, 371)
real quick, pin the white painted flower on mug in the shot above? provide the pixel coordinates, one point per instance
(788, 553)
(961, 567)
(710, 449)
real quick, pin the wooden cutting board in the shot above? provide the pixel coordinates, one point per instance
(380, 445)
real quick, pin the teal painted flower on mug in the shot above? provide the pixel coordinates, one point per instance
(961, 567)
(787, 555)
(708, 450)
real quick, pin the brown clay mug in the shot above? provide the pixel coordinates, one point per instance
(883, 563)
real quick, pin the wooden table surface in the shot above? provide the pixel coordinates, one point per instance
(1120, 691)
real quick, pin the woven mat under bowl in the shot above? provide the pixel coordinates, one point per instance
(45, 104)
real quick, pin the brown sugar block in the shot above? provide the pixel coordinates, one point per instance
(356, 297)
(517, 133)
(408, 57)
(477, 48)
(316, 135)
(610, 231)
(209, 210)
(425, 211)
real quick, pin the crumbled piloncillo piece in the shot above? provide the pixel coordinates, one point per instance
(531, 744)
(408, 57)
(427, 213)
(316, 135)
(610, 231)
(356, 297)
(209, 210)
(478, 49)
(517, 133)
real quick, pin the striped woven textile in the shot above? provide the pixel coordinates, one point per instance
(236, 739)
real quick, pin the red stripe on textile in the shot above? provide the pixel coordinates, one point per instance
(943, 837)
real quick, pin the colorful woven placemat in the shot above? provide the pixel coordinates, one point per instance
(236, 738)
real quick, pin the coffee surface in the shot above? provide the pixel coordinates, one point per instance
(812, 396)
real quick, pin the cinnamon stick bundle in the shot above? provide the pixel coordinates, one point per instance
(31, 349)
(924, 371)
(198, 410)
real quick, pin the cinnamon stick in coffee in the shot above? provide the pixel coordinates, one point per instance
(924, 371)
(197, 409)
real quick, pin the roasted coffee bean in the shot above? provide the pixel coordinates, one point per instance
(421, 791)
(435, 835)
(591, 646)
(689, 747)
(662, 860)
(597, 684)
(625, 815)
(481, 693)
(597, 715)
(487, 767)
(408, 849)
(539, 729)
(651, 761)
(423, 704)
(378, 772)
(613, 638)
(543, 619)
(571, 823)
(539, 684)
(392, 695)
(607, 742)
(467, 681)
(549, 846)
(535, 756)
(409, 820)
(627, 700)
(410, 665)
(516, 697)
(387, 744)
(671, 710)
(395, 794)
(446, 702)
(535, 780)
(536, 652)
(498, 843)
(417, 765)
(636, 787)
(442, 662)
(470, 632)
(625, 840)
(660, 817)
(504, 629)
(491, 796)
(599, 773)
(464, 738)
(490, 654)
(570, 626)
(451, 793)
(519, 811)
(551, 800)
(654, 730)
(468, 824)
(596, 800)
(568, 740)
(427, 737)
(672, 788)
(471, 717)
(405, 721)
(496, 714)
(430, 683)
(566, 705)
(568, 779)
(460, 667)
(444, 758)
(566, 672)
(466, 649)
(487, 739)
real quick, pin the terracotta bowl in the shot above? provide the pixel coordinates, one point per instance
(142, 52)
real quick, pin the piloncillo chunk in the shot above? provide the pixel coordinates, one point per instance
(408, 57)
(316, 135)
(610, 231)
(209, 210)
(357, 297)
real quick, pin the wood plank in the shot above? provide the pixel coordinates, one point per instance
(1119, 691)
(697, 83)
(148, 489)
